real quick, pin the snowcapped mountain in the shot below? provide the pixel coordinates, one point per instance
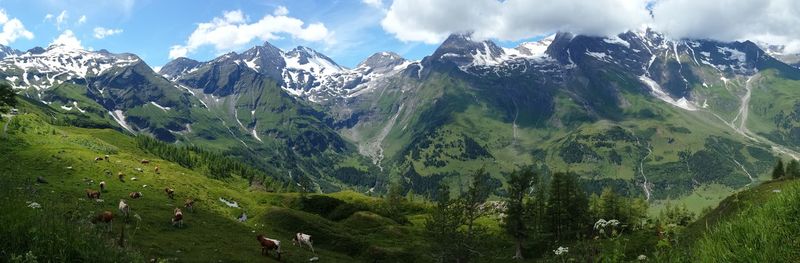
(43, 68)
(301, 72)
(7, 51)
(469, 101)
(779, 52)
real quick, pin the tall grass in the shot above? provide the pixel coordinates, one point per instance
(46, 234)
(766, 232)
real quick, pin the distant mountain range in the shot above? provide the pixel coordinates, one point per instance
(639, 112)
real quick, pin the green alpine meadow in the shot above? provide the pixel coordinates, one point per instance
(399, 131)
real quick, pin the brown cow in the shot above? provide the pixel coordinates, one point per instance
(145, 161)
(177, 218)
(268, 245)
(158, 169)
(189, 204)
(170, 192)
(98, 159)
(92, 194)
(104, 217)
(121, 177)
(135, 195)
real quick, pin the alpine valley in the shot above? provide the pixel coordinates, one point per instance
(646, 115)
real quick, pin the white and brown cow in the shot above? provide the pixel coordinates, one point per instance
(177, 218)
(170, 192)
(124, 208)
(92, 194)
(189, 204)
(135, 195)
(303, 239)
(268, 244)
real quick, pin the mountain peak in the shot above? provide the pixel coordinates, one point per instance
(382, 60)
(178, 66)
(462, 49)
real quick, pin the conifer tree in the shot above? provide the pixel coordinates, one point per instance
(793, 169)
(778, 171)
(516, 222)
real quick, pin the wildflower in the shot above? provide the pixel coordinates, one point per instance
(600, 224)
(561, 251)
(642, 258)
(33, 205)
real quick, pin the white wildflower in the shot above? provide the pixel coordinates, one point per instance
(642, 258)
(561, 251)
(600, 224)
(33, 205)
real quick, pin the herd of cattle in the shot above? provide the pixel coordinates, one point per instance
(107, 217)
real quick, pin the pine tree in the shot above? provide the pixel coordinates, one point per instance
(609, 205)
(516, 222)
(778, 171)
(471, 203)
(442, 226)
(793, 169)
(567, 207)
(394, 201)
(7, 97)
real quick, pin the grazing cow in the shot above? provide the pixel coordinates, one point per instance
(92, 194)
(121, 177)
(145, 161)
(135, 195)
(139, 169)
(157, 169)
(107, 158)
(268, 244)
(102, 186)
(124, 208)
(302, 239)
(177, 218)
(170, 192)
(104, 217)
(98, 159)
(189, 204)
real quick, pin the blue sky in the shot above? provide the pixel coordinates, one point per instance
(350, 30)
(150, 28)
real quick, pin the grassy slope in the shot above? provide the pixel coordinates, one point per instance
(211, 233)
(757, 225)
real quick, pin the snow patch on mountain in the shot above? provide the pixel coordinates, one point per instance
(659, 93)
(165, 109)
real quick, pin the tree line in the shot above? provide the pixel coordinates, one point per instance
(212, 164)
(535, 214)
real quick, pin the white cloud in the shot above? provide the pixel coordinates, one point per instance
(67, 39)
(48, 17)
(157, 68)
(281, 11)
(102, 32)
(772, 21)
(13, 29)
(430, 21)
(373, 3)
(61, 19)
(82, 20)
(232, 31)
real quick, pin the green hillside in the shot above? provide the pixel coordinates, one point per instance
(63, 156)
